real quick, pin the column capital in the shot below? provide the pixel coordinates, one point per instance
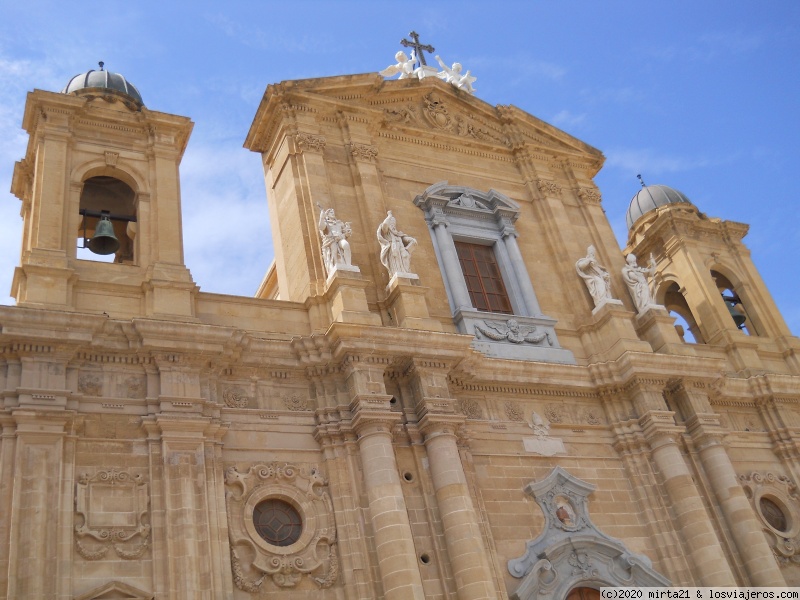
(437, 425)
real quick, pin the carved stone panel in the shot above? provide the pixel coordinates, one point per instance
(775, 500)
(112, 511)
(310, 555)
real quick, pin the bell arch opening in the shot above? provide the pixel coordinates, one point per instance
(685, 323)
(107, 225)
(733, 303)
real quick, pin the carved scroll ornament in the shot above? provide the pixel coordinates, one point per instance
(313, 555)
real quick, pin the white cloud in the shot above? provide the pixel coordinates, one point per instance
(565, 118)
(645, 160)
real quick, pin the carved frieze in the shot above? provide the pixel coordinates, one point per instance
(513, 411)
(235, 397)
(470, 408)
(112, 511)
(255, 557)
(434, 113)
(512, 331)
(295, 402)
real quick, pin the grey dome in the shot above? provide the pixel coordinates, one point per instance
(103, 82)
(650, 198)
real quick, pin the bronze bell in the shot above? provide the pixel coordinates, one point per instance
(737, 314)
(104, 241)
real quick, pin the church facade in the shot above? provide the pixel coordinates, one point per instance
(437, 392)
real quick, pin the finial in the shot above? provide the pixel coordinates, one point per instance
(641, 181)
(101, 63)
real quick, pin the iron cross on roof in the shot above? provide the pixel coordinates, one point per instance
(418, 48)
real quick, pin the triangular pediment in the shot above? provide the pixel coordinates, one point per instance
(115, 590)
(427, 107)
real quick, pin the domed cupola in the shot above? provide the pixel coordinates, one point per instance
(105, 84)
(649, 198)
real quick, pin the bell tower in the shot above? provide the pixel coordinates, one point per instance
(706, 277)
(101, 173)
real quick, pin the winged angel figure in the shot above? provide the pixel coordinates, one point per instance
(404, 66)
(512, 331)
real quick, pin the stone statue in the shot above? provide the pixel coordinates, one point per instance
(335, 247)
(453, 75)
(636, 279)
(595, 276)
(404, 66)
(396, 246)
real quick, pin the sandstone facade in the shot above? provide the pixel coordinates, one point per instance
(146, 424)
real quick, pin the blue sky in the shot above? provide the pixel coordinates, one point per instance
(701, 96)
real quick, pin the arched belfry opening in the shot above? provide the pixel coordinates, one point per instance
(107, 198)
(685, 321)
(733, 303)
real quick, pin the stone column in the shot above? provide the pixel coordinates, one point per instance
(703, 425)
(518, 263)
(693, 521)
(394, 543)
(753, 548)
(457, 286)
(373, 422)
(462, 532)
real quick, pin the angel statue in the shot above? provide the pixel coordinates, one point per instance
(335, 247)
(636, 279)
(453, 75)
(404, 66)
(513, 332)
(396, 246)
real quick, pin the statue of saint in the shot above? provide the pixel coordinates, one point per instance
(404, 66)
(638, 285)
(595, 276)
(396, 246)
(335, 247)
(453, 75)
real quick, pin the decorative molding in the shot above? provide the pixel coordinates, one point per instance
(511, 331)
(364, 152)
(313, 555)
(112, 509)
(513, 411)
(550, 188)
(589, 195)
(307, 141)
(470, 408)
(769, 492)
(235, 397)
(111, 158)
(554, 413)
(571, 549)
(295, 402)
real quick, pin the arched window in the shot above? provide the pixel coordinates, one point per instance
(107, 197)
